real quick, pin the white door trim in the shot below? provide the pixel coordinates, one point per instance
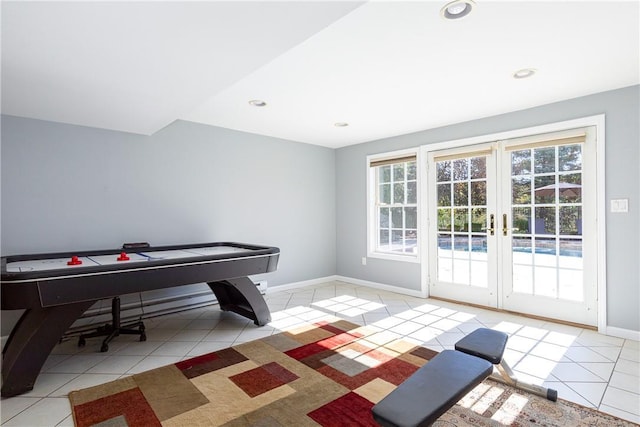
(599, 122)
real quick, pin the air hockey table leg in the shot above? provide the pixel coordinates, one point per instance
(241, 296)
(31, 341)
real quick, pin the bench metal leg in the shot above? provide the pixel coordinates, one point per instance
(507, 376)
(489, 345)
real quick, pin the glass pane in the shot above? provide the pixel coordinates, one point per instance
(546, 220)
(478, 219)
(570, 285)
(521, 190)
(544, 160)
(545, 252)
(545, 189)
(461, 219)
(523, 279)
(444, 219)
(461, 271)
(385, 193)
(410, 241)
(521, 220)
(398, 192)
(444, 244)
(443, 171)
(570, 157)
(479, 274)
(411, 192)
(461, 193)
(478, 167)
(384, 217)
(384, 173)
(410, 217)
(396, 217)
(411, 170)
(522, 265)
(570, 253)
(444, 194)
(545, 281)
(521, 162)
(445, 270)
(396, 240)
(478, 193)
(570, 188)
(570, 219)
(460, 243)
(460, 169)
(398, 172)
(445, 265)
(521, 246)
(479, 247)
(384, 239)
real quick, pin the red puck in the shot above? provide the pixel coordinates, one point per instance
(123, 257)
(74, 261)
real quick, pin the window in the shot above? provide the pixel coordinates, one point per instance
(393, 205)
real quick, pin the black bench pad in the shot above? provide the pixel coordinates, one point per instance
(485, 343)
(431, 390)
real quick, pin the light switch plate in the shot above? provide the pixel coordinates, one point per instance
(619, 205)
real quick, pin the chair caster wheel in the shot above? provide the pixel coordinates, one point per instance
(104, 348)
(143, 337)
(81, 342)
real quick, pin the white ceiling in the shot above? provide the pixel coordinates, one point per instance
(385, 67)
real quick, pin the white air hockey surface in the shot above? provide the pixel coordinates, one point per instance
(135, 257)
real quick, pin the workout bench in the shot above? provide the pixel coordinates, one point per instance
(434, 388)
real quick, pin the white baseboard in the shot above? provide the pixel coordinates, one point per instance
(628, 334)
(303, 284)
(359, 282)
(382, 286)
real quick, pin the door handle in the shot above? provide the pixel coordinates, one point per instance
(504, 224)
(492, 224)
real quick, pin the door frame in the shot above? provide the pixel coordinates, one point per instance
(599, 122)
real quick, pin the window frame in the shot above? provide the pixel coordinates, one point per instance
(373, 230)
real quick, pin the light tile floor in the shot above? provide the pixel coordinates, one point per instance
(585, 367)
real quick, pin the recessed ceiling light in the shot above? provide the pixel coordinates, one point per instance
(341, 124)
(457, 9)
(524, 73)
(257, 103)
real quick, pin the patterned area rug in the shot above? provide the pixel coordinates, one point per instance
(327, 374)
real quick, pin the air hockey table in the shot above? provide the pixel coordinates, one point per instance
(55, 289)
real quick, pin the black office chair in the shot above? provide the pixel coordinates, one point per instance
(114, 329)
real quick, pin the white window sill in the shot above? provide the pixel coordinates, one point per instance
(413, 258)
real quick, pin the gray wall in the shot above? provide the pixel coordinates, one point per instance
(68, 188)
(622, 110)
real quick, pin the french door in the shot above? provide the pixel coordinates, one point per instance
(512, 225)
